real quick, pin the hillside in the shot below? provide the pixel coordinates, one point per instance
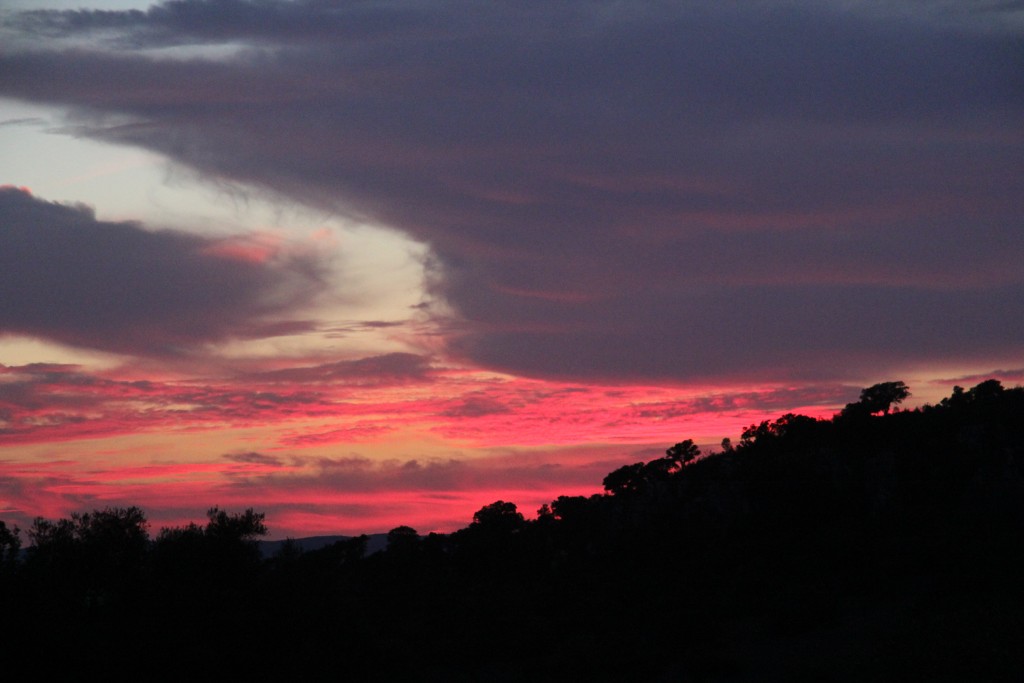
(878, 545)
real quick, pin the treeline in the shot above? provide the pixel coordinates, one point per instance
(877, 545)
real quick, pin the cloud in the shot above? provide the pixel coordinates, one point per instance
(613, 191)
(362, 430)
(252, 457)
(512, 470)
(25, 121)
(48, 402)
(69, 277)
(1007, 377)
(357, 494)
(314, 409)
(391, 368)
(304, 495)
(476, 405)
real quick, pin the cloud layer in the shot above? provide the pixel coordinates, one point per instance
(348, 446)
(334, 404)
(610, 190)
(68, 277)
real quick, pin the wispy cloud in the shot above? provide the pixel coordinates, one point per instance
(357, 401)
(393, 368)
(24, 121)
(428, 447)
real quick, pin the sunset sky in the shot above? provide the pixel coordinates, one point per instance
(359, 264)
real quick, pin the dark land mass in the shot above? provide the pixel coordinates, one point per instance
(268, 549)
(877, 545)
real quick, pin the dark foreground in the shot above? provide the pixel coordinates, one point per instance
(874, 546)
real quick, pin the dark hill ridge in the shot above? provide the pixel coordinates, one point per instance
(374, 544)
(876, 545)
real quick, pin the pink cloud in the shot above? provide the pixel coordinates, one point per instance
(361, 431)
(369, 399)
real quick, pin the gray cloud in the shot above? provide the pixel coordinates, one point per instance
(27, 121)
(615, 190)
(398, 368)
(66, 276)
(254, 458)
(476, 405)
(441, 475)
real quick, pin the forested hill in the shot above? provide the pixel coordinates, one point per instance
(881, 544)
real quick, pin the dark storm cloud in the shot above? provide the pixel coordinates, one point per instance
(68, 277)
(615, 190)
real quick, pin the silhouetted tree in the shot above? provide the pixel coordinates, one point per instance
(988, 390)
(683, 452)
(114, 531)
(403, 541)
(879, 398)
(238, 528)
(10, 546)
(217, 559)
(350, 550)
(785, 425)
(113, 536)
(626, 480)
(499, 516)
(572, 508)
(640, 477)
(47, 536)
(114, 543)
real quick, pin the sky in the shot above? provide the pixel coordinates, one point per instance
(358, 264)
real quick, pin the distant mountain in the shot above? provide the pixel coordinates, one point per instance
(374, 544)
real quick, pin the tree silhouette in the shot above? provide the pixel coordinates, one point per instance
(988, 390)
(626, 480)
(49, 537)
(238, 528)
(101, 547)
(879, 398)
(683, 452)
(499, 516)
(403, 541)
(212, 562)
(114, 542)
(571, 508)
(10, 546)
